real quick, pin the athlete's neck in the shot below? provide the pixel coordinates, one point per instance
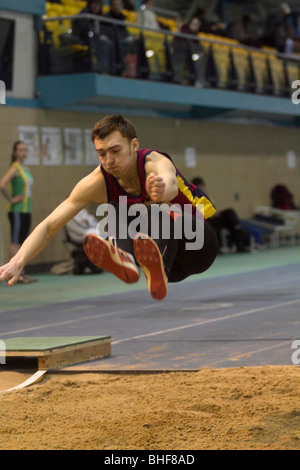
(130, 181)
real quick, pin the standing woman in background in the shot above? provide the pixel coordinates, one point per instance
(19, 195)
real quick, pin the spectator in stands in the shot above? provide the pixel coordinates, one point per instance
(91, 34)
(193, 26)
(185, 67)
(239, 30)
(146, 16)
(124, 42)
(128, 5)
(278, 28)
(115, 13)
(292, 43)
(212, 25)
(94, 7)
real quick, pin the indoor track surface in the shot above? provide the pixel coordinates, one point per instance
(244, 311)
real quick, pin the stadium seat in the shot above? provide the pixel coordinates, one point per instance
(78, 4)
(185, 72)
(276, 68)
(156, 53)
(65, 53)
(169, 23)
(154, 57)
(277, 75)
(143, 69)
(292, 73)
(130, 16)
(240, 78)
(259, 81)
(219, 64)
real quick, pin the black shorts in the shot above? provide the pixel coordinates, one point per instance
(20, 223)
(179, 261)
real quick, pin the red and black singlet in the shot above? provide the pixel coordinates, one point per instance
(188, 193)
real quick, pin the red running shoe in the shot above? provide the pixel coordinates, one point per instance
(150, 260)
(106, 255)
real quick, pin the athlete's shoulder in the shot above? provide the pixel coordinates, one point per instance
(14, 169)
(155, 155)
(93, 186)
(11, 173)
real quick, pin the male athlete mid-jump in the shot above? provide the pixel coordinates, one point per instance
(137, 176)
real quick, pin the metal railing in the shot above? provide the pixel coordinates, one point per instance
(212, 40)
(172, 56)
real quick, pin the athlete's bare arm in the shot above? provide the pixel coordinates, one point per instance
(161, 181)
(91, 188)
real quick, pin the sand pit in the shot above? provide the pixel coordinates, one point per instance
(12, 379)
(238, 408)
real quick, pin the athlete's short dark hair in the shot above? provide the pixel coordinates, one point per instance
(111, 123)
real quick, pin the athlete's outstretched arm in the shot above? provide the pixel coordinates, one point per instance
(90, 188)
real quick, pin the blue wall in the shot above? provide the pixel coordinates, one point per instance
(33, 7)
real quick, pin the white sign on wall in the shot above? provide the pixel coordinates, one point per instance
(73, 146)
(30, 136)
(190, 157)
(51, 146)
(91, 156)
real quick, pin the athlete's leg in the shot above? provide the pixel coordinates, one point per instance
(158, 226)
(15, 229)
(155, 256)
(189, 262)
(106, 255)
(150, 260)
(20, 227)
(113, 250)
(125, 245)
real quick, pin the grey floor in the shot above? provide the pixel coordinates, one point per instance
(233, 317)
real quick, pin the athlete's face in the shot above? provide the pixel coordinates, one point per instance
(21, 152)
(117, 155)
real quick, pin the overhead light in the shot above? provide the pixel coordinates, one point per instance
(149, 53)
(195, 57)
